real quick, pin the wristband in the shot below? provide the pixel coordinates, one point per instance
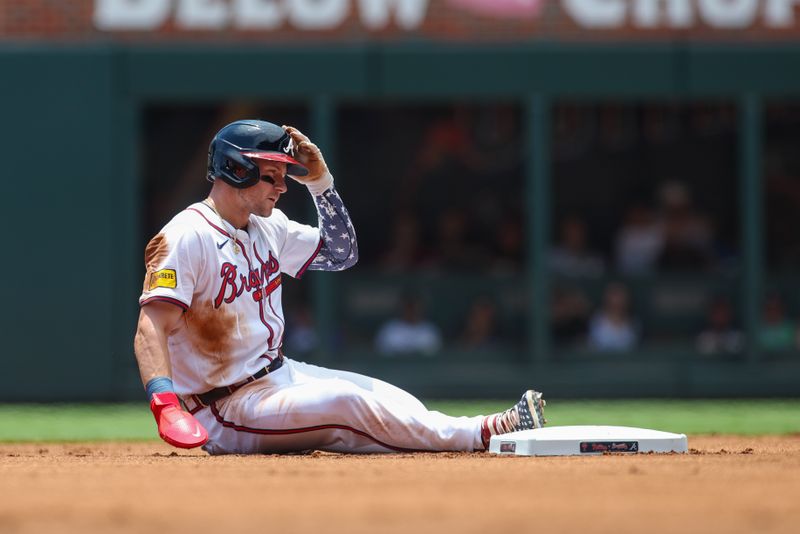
(320, 185)
(159, 384)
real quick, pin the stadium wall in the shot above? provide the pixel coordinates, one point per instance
(71, 150)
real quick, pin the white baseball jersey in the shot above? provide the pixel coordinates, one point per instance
(229, 286)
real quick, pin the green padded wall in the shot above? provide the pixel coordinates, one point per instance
(56, 108)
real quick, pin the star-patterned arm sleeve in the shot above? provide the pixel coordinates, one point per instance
(339, 248)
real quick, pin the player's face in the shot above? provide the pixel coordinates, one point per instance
(262, 197)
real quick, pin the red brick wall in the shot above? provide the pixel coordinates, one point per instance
(72, 20)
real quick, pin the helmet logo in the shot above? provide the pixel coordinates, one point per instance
(289, 148)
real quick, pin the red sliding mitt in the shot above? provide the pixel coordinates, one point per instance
(175, 426)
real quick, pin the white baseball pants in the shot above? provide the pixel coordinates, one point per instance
(304, 407)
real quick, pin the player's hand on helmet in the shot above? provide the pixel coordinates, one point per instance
(177, 427)
(308, 154)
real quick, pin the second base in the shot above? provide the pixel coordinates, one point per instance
(586, 440)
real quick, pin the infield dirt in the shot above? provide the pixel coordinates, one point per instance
(727, 484)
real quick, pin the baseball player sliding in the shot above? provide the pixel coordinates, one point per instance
(211, 322)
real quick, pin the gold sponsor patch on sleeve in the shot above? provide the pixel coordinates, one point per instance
(163, 278)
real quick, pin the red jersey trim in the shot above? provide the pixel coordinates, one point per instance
(289, 431)
(306, 264)
(214, 226)
(171, 300)
(220, 230)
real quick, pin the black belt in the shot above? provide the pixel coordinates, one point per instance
(209, 397)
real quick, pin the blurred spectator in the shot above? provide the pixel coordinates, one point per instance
(712, 119)
(573, 131)
(688, 234)
(638, 242)
(406, 248)
(465, 148)
(495, 134)
(571, 257)
(443, 141)
(483, 139)
(301, 335)
(661, 123)
(569, 314)
(508, 246)
(777, 331)
(611, 328)
(617, 126)
(452, 251)
(480, 326)
(410, 333)
(720, 334)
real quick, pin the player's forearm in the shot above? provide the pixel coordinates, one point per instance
(150, 346)
(175, 426)
(339, 249)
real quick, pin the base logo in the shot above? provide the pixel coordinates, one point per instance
(163, 278)
(508, 446)
(588, 447)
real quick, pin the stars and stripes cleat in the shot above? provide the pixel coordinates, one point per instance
(528, 413)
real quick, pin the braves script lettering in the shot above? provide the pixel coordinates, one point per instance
(235, 283)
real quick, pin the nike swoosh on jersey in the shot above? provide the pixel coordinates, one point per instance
(220, 245)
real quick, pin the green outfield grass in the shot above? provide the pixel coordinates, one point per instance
(20, 423)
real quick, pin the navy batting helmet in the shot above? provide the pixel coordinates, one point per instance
(233, 149)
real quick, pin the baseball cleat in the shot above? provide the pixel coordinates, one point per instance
(527, 414)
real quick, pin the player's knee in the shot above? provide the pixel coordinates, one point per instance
(345, 394)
